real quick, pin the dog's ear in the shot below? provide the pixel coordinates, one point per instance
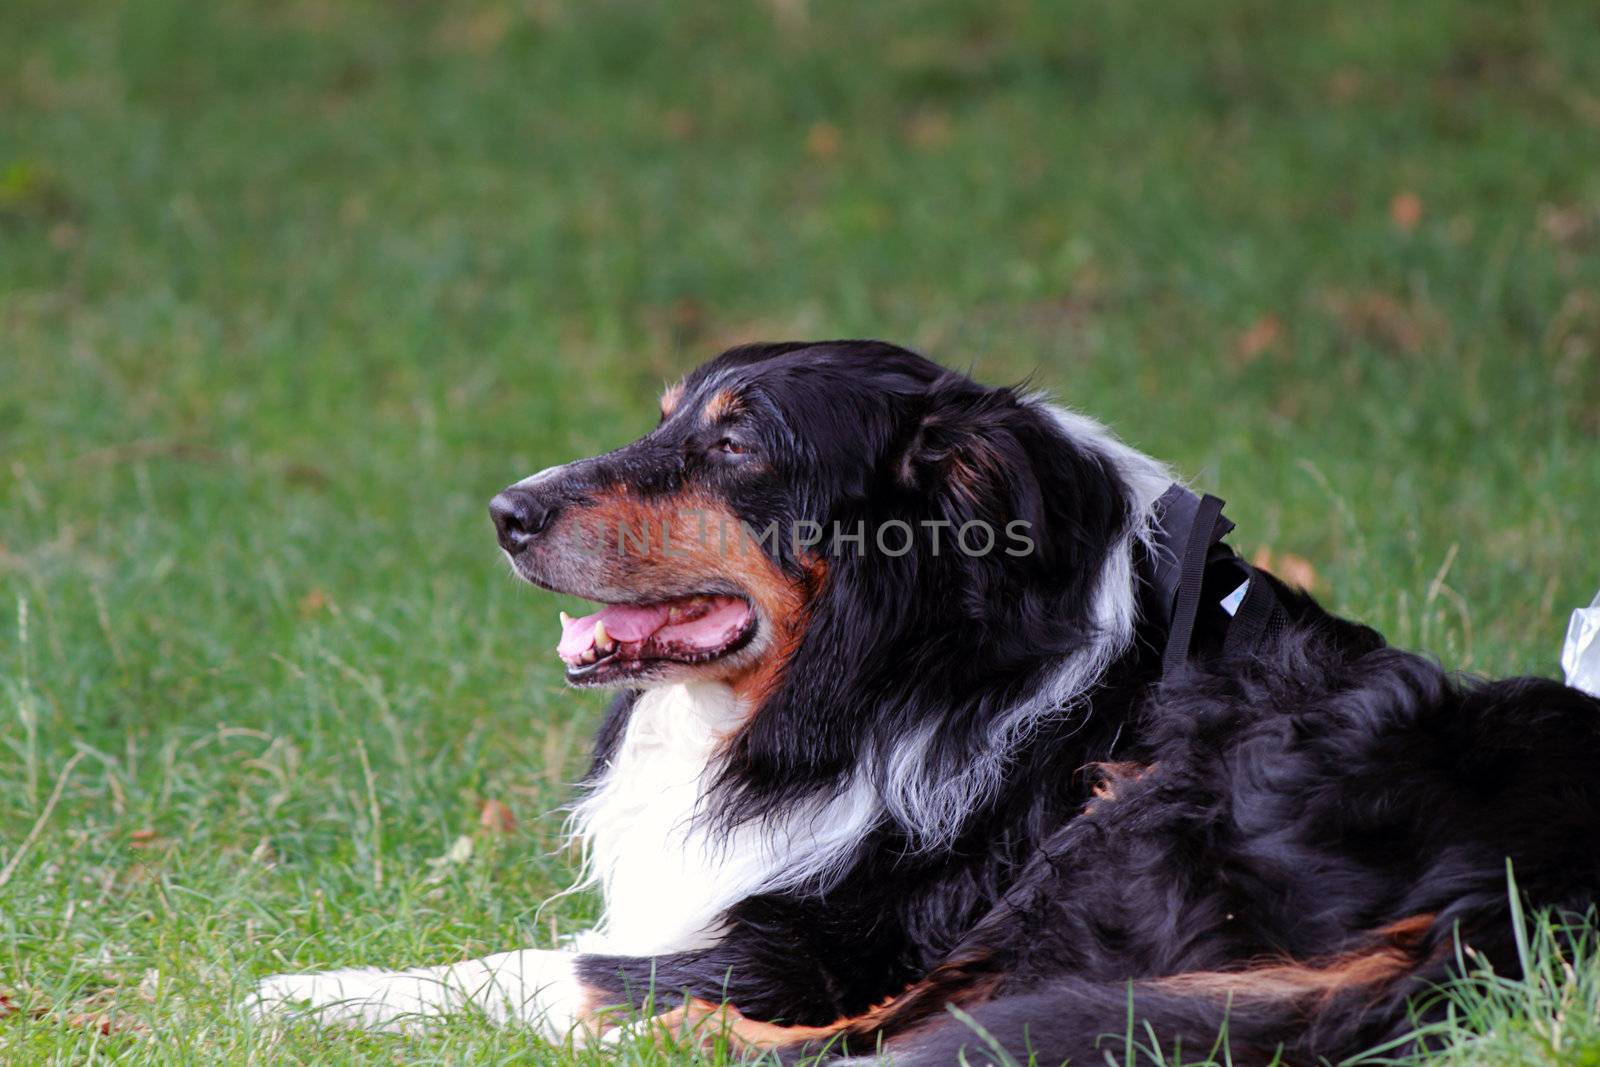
(965, 450)
(999, 457)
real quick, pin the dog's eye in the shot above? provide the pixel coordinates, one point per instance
(730, 447)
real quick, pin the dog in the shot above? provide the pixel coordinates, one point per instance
(907, 719)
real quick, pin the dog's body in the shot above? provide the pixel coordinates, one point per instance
(845, 787)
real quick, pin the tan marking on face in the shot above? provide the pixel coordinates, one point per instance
(1397, 951)
(669, 399)
(757, 685)
(685, 543)
(723, 403)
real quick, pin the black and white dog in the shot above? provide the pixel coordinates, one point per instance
(894, 733)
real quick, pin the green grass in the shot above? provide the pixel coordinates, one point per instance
(288, 290)
(1549, 1015)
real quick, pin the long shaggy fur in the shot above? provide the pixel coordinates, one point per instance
(965, 779)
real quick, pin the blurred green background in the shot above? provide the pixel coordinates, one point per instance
(288, 290)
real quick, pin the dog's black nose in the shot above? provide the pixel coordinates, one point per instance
(520, 515)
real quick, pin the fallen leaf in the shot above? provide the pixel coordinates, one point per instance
(495, 817)
(1296, 570)
(822, 140)
(1405, 211)
(144, 838)
(313, 603)
(1262, 335)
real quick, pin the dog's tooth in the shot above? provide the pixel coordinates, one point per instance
(587, 657)
(565, 618)
(602, 640)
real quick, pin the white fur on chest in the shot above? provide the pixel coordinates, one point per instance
(664, 882)
(665, 879)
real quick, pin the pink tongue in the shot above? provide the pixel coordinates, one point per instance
(629, 624)
(712, 630)
(624, 622)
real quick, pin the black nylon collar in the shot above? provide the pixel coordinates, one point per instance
(1186, 543)
(1174, 516)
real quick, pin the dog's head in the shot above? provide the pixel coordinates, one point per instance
(849, 504)
(900, 571)
(687, 536)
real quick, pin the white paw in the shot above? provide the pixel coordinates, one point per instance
(366, 999)
(534, 988)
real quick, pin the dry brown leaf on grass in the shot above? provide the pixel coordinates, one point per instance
(1262, 335)
(1296, 570)
(312, 603)
(495, 817)
(1405, 211)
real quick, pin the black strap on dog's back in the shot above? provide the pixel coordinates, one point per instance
(1187, 543)
(1191, 577)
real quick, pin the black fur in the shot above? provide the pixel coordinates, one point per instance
(900, 642)
(1293, 804)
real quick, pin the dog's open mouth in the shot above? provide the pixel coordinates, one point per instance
(625, 639)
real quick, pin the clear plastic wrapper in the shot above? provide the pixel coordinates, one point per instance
(1580, 656)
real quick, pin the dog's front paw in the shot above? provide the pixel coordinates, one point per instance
(364, 999)
(532, 987)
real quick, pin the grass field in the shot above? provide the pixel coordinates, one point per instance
(288, 290)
